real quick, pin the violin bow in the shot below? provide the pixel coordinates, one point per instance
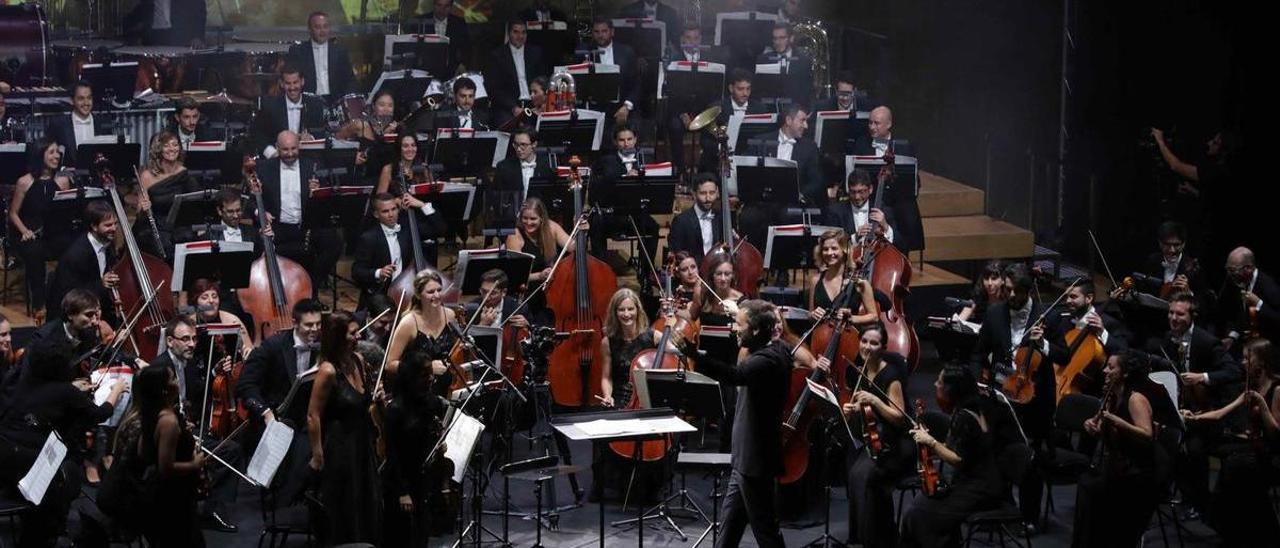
(208, 380)
(555, 265)
(653, 271)
(116, 345)
(1103, 257)
(225, 464)
(386, 355)
(370, 323)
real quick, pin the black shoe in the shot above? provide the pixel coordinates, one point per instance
(215, 522)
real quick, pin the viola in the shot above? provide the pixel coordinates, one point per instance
(930, 480)
(226, 412)
(276, 283)
(1020, 386)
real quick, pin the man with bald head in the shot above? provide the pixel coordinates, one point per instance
(1250, 302)
(287, 182)
(880, 135)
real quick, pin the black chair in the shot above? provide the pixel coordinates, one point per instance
(1171, 440)
(12, 507)
(279, 523)
(1014, 461)
(1065, 464)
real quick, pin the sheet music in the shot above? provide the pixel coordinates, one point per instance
(36, 482)
(271, 450)
(827, 396)
(604, 427)
(106, 379)
(459, 442)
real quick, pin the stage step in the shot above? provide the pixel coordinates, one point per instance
(933, 275)
(974, 237)
(943, 197)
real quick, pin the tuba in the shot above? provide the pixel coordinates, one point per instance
(811, 38)
(561, 92)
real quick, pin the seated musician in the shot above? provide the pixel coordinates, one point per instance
(1241, 503)
(1251, 303)
(825, 287)
(798, 67)
(737, 102)
(880, 136)
(881, 387)
(40, 238)
(79, 326)
(1115, 500)
(79, 126)
(987, 291)
(690, 49)
(514, 173)
(187, 123)
(206, 297)
(443, 21)
(1208, 377)
(687, 284)
(511, 67)
(301, 113)
(756, 218)
(697, 229)
(499, 308)
(87, 262)
(464, 114)
(161, 180)
(230, 226)
(847, 96)
(287, 181)
(857, 216)
(1171, 269)
(1081, 314)
(190, 374)
(268, 375)
(609, 52)
(325, 64)
(539, 235)
(1007, 327)
(626, 162)
(385, 250)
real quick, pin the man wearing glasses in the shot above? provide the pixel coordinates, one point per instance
(514, 173)
(1250, 303)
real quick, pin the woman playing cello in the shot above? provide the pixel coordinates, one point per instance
(832, 254)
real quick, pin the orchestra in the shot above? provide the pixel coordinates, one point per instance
(296, 298)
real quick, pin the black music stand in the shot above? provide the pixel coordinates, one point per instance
(13, 162)
(840, 133)
(473, 263)
(769, 85)
(432, 57)
(195, 208)
(790, 249)
(407, 86)
(111, 81)
(646, 37)
(597, 88)
(764, 184)
(465, 156)
(716, 344)
(634, 196)
(336, 206)
(501, 208)
(212, 166)
(576, 134)
(556, 44)
(337, 158)
(556, 195)
(123, 157)
(754, 138)
(453, 201)
(694, 89)
(66, 210)
(745, 32)
(226, 262)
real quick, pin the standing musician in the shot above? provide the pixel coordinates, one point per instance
(186, 123)
(1241, 502)
(287, 181)
(697, 229)
(87, 261)
(609, 170)
(29, 213)
(514, 173)
(293, 111)
(1007, 327)
(385, 250)
(763, 375)
(343, 438)
(189, 374)
(872, 477)
(987, 291)
(79, 126)
(426, 329)
(970, 449)
(1251, 304)
(857, 216)
(511, 67)
(414, 509)
(832, 256)
(325, 64)
(1081, 314)
(161, 181)
(269, 373)
(1115, 500)
(164, 440)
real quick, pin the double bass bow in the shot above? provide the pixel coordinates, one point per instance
(276, 283)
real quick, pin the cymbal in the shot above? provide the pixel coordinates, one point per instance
(225, 99)
(704, 118)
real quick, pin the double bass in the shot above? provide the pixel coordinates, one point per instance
(889, 271)
(402, 285)
(578, 293)
(276, 283)
(141, 275)
(748, 263)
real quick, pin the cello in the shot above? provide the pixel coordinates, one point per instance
(578, 294)
(748, 263)
(138, 272)
(402, 285)
(889, 271)
(276, 283)
(1085, 353)
(840, 339)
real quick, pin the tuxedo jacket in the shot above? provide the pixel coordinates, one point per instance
(268, 374)
(862, 146)
(509, 176)
(628, 65)
(798, 83)
(61, 129)
(861, 102)
(1231, 315)
(710, 151)
(502, 80)
(269, 175)
(686, 232)
(1207, 355)
(78, 268)
(341, 75)
(994, 346)
(373, 253)
(273, 118)
(841, 215)
(1153, 266)
(666, 14)
(808, 161)
(607, 171)
(193, 376)
(511, 307)
(531, 14)
(480, 120)
(203, 132)
(1119, 337)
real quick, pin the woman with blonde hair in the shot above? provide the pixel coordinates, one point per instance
(832, 257)
(426, 328)
(163, 179)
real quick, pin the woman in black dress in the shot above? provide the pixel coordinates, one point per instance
(162, 180)
(413, 427)
(342, 439)
(872, 478)
(1115, 500)
(39, 239)
(832, 257)
(167, 443)
(988, 290)
(538, 235)
(969, 450)
(427, 330)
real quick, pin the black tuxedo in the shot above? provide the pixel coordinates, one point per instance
(341, 75)
(193, 377)
(1153, 267)
(862, 146)
(203, 132)
(502, 80)
(531, 14)
(273, 118)
(628, 65)
(808, 161)
(710, 155)
(605, 175)
(269, 174)
(373, 254)
(798, 83)
(686, 232)
(268, 374)
(61, 129)
(480, 120)
(459, 35)
(509, 175)
(994, 347)
(1207, 356)
(1231, 308)
(861, 102)
(325, 246)
(841, 215)
(666, 14)
(78, 268)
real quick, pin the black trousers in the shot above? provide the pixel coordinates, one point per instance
(1193, 463)
(750, 499)
(34, 254)
(317, 252)
(870, 492)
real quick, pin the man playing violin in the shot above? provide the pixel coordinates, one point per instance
(1251, 304)
(496, 306)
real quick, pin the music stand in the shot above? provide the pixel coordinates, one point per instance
(429, 51)
(750, 127)
(112, 82)
(212, 160)
(227, 262)
(765, 180)
(195, 208)
(473, 263)
(407, 86)
(578, 131)
(501, 208)
(646, 36)
(556, 195)
(467, 152)
(636, 196)
(690, 86)
(66, 212)
(903, 185)
(836, 130)
(769, 81)
(336, 206)
(452, 200)
(123, 157)
(745, 30)
(336, 155)
(554, 37)
(13, 162)
(596, 84)
(717, 341)
(791, 246)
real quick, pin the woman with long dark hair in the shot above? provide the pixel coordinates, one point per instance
(39, 239)
(343, 437)
(989, 289)
(413, 427)
(166, 442)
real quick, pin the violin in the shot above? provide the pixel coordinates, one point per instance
(930, 480)
(226, 412)
(1109, 395)
(1021, 386)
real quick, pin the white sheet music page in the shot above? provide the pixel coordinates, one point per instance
(36, 482)
(270, 452)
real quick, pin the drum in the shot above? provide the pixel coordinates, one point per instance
(23, 47)
(257, 72)
(161, 69)
(69, 56)
(278, 35)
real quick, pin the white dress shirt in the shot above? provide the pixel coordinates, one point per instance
(99, 252)
(739, 109)
(706, 219)
(185, 139)
(464, 119)
(606, 54)
(442, 26)
(526, 173)
(785, 146)
(543, 15)
(321, 54)
(1019, 321)
(161, 15)
(291, 193)
(629, 162)
(304, 354)
(179, 367)
(881, 145)
(232, 233)
(862, 216)
(651, 11)
(294, 113)
(692, 56)
(392, 235)
(83, 128)
(1171, 268)
(522, 81)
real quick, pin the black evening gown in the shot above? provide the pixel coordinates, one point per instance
(349, 484)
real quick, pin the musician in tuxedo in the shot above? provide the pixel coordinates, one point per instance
(77, 328)
(294, 110)
(514, 172)
(609, 52)
(542, 10)
(797, 67)
(1250, 303)
(464, 114)
(624, 162)
(325, 64)
(847, 96)
(287, 181)
(857, 216)
(683, 108)
(791, 145)
(698, 228)
(1209, 379)
(1007, 327)
(78, 126)
(511, 67)
(497, 307)
(1164, 272)
(266, 380)
(87, 262)
(737, 102)
(900, 194)
(443, 22)
(656, 10)
(385, 250)
(879, 137)
(180, 356)
(230, 228)
(186, 124)
(1081, 314)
